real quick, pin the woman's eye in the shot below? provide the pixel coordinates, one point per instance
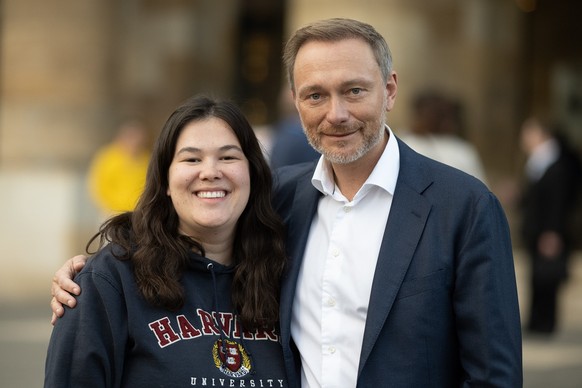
(233, 157)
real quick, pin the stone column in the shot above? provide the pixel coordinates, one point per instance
(55, 80)
(55, 102)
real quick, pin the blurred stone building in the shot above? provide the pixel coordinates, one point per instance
(70, 70)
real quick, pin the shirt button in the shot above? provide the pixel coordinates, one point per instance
(335, 252)
(347, 209)
(331, 350)
(331, 302)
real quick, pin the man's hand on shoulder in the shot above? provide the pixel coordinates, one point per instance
(63, 288)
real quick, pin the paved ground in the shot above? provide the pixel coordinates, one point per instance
(555, 362)
(548, 362)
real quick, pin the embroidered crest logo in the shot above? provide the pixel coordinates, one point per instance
(231, 358)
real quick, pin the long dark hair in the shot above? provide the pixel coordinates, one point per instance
(150, 237)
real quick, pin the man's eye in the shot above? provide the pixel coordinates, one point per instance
(356, 90)
(315, 96)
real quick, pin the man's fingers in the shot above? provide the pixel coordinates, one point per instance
(62, 280)
(62, 297)
(63, 288)
(58, 310)
(78, 262)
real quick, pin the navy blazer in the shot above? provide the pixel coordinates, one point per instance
(443, 308)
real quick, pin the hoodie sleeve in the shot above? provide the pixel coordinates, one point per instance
(88, 344)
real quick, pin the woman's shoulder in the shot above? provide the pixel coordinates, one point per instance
(108, 262)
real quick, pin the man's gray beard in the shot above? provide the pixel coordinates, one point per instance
(342, 158)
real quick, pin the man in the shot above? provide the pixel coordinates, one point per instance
(401, 271)
(553, 177)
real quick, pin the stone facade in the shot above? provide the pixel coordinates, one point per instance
(70, 70)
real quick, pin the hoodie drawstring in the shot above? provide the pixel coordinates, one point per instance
(218, 323)
(210, 268)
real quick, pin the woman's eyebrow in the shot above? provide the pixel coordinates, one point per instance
(227, 147)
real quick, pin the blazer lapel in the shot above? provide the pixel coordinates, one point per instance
(404, 227)
(298, 225)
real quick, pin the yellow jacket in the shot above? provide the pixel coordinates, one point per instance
(116, 179)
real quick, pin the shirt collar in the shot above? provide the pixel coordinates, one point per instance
(384, 174)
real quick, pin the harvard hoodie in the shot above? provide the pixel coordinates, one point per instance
(114, 338)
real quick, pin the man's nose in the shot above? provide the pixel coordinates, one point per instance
(338, 111)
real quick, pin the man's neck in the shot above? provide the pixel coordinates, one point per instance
(351, 177)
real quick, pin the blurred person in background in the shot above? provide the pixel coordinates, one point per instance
(435, 131)
(289, 144)
(552, 183)
(117, 171)
(184, 289)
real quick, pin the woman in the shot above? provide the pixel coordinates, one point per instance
(186, 292)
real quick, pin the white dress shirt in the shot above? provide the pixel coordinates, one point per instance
(335, 280)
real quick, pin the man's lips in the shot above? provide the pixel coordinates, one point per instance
(339, 135)
(340, 131)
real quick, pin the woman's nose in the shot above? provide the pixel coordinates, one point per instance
(210, 170)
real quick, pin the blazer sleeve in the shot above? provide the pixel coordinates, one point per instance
(88, 343)
(485, 300)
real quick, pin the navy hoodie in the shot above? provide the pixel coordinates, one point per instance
(114, 338)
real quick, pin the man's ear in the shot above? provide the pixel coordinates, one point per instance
(391, 90)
